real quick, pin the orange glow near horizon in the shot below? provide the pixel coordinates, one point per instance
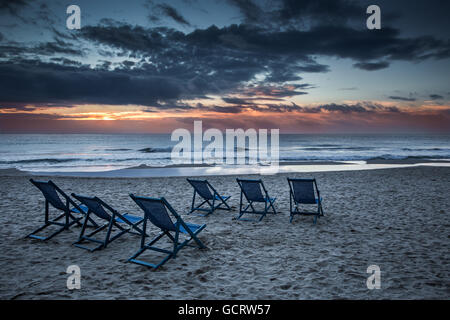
(126, 118)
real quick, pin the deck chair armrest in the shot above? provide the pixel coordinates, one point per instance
(78, 206)
(128, 218)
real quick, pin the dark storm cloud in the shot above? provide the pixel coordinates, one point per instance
(18, 51)
(291, 45)
(402, 98)
(53, 83)
(371, 66)
(366, 107)
(127, 37)
(343, 108)
(164, 9)
(162, 64)
(232, 109)
(358, 108)
(236, 101)
(275, 90)
(250, 10)
(173, 13)
(292, 12)
(331, 11)
(436, 97)
(28, 116)
(12, 6)
(56, 47)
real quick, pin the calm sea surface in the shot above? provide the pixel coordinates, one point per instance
(98, 152)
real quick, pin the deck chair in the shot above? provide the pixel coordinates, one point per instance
(66, 205)
(157, 212)
(210, 197)
(304, 192)
(112, 219)
(251, 190)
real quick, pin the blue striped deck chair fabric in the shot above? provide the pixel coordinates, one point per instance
(254, 191)
(112, 219)
(304, 192)
(158, 211)
(69, 212)
(210, 197)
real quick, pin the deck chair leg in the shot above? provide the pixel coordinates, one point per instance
(227, 207)
(193, 237)
(198, 242)
(226, 204)
(175, 244)
(57, 232)
(149, 246)
(63, 226)
(195, 208)
(193, 203)
(241, 212)
(144, 233)
(47, 212)
(273, 208)
(97, 230)
(240, 206)
(251, 206)
(139, 231)
(262, 216)
(32, 234)
(211, 206)
(93, 223)
(108, 232)
(83, 228)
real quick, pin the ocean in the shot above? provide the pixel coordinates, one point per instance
(102, 152)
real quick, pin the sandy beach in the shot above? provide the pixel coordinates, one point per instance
(397, 219)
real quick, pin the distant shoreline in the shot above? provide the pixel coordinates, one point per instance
(182, 170)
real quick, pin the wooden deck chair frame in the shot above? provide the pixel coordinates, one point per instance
(214, 200)
(294, 205)
(178, 227)
(113, 219)
(265, 198)
(62, 205)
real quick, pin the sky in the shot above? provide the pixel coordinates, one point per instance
(303, 66)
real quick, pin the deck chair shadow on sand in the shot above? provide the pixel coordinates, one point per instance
(60, 201)
(157, 212)
(304, 192)
(210, 197)
(253, 190)
(112, 218)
